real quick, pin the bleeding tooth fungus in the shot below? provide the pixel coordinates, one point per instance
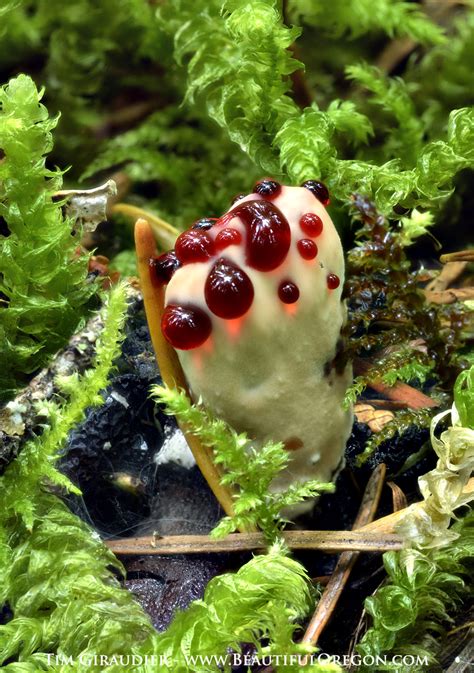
(275, 249)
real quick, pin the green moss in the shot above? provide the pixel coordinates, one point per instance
(43, 288)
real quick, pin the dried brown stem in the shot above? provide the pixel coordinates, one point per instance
(164, 233)
(460, 256)
(168, 363)
(448, 274)
(450, 296)
(399, 499)
(333, 541)
(336, 584)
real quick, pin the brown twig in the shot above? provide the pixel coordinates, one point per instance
(448, 274)
(336, 584)
(168, 363)
(333, 541)
(460, 256)
(450, 296)
(463, 661)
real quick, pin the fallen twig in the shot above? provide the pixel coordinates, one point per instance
(450, 296)
(333, 541)
(336, 584)
(460, 256)
(448, 274)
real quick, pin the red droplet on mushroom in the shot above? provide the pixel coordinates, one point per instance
(194, 245)
(238, 197)
(267, 188)
(163, 267)
(226, 237)
(319, 190)
(333, 281)
(185, 327)
(307, 248)
(293, 444)
(228, 290)
(311, 224)
(288, 292)
(268, 233)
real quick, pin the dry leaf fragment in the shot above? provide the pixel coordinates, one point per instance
(376, 419)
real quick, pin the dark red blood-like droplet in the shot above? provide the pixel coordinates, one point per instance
(227, 237)
(185, 327)
(267, 188)
(163, 267)
(333, 281)
(238, 198)
(194, 245)
(311, 224)
(288, 292)
(307, 248)
(205, 223)
(228, 290)
(269, 234)
(319, 190)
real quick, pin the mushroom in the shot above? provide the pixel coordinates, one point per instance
(253, 308)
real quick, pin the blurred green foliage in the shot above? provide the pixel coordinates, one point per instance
(194, 100)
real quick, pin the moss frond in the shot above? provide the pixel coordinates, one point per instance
(35, 465)
(249, 467)
(43, 288)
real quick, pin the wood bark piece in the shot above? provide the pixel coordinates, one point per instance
(463, 661)
(450, 296)
(328, 541)
(23, 418)
(168, 363)
(336, 584)
(460, 256)
(448, 274)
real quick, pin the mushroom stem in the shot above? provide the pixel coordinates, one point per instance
(168, 363)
